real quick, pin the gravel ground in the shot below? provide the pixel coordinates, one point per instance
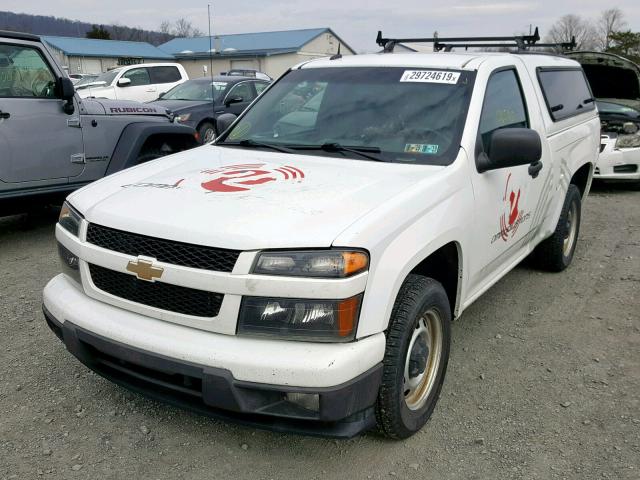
(543, 382)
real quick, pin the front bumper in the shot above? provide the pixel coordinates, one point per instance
(617, 163)
(129, 349)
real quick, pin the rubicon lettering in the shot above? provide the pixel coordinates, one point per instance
(133, 110)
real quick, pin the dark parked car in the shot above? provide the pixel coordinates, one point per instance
(197, 103)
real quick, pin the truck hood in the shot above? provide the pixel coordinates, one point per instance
(178, 106)
(96, 90)
(245, 199)
(103, 106)
(610, 76)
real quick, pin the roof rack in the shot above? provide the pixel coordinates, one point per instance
(520, 42)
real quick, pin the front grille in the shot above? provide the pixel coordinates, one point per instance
(168, 251)
(173, 298)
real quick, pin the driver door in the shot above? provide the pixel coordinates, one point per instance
(38, 141)
(243, 90)
(140, 89)
(510, 203)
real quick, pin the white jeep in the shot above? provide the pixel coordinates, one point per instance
(305, 278)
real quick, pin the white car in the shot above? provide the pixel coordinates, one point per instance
(620, 142)
(615, 82)
(142, 83)
(306, 279)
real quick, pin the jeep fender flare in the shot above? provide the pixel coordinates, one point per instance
(134, 136)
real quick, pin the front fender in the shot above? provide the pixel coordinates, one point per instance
(135, 135)
(406, 230)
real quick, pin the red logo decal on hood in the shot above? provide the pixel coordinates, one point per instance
(240, 178)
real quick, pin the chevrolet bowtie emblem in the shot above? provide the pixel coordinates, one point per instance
(144, 269)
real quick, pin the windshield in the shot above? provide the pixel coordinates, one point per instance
(196, 90)
(401, 114)
(617, 109)
(107, 78)
(86, 79)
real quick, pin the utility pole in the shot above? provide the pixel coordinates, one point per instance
(213, 109)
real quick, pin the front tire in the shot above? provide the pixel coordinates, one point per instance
(207, 132)
(416, 357)
(556, 252)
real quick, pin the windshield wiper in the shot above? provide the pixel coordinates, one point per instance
(336, 147)
(248, 143)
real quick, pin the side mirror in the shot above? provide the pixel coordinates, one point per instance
(161, 95)
(232, 100)
(510, 147)
(66, 91)
(124, 82)
(66, 88)
(224, 121)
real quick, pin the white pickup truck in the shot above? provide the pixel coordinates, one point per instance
(303, 275)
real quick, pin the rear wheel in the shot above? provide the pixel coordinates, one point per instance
(556, 252)
(415, 361)
(207, 132)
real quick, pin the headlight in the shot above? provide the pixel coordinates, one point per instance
(300, 319)
(70, 219)
(312, 263)
(628, 141)
(183, 118)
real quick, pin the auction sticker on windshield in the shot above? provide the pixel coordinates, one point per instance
(430, 76)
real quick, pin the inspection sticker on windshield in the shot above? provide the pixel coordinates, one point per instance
(421, 148)
(430, 76)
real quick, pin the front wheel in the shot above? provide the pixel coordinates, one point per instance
(207, 132)
(416, 357)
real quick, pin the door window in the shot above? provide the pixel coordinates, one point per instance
(164, 75)
(504, 106)
(138, 76)
(260, 86)
(566, 92)
(24, 73)
(243, 90)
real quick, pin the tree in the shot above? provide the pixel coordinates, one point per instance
(625, 44)
(180, 28)
(165, 27)
(573, 26)
(99, 32)
(610, 21)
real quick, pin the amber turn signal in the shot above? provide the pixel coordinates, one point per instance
(348, 311)
(354, 262)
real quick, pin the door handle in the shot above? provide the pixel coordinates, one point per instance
(534, 168)
(4, 115)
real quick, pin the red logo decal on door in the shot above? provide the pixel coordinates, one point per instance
(512, 217)
(240, 178)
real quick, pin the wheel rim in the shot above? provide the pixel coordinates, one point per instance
(209, 135)
(423, 360)
(572, 230)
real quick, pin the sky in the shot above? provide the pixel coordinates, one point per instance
(355, 21)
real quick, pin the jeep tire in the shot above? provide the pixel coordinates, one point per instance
(148, 155)
(556, 252)
(416, 356)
